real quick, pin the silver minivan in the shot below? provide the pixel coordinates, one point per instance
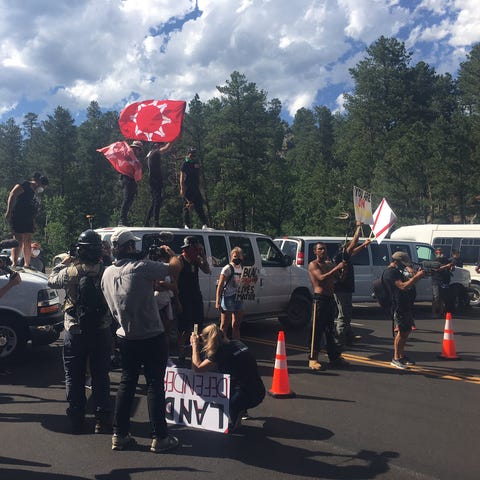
(370, 262)
(281, 289)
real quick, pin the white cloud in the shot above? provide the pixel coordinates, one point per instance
(110, 50)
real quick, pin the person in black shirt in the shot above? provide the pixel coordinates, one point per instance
(400, 285)
(154, 163)
(441, 302)
(190, 189)
(189, 302)
(233, 357)
(22, 205)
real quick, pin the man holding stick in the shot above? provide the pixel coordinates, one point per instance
(323, 274)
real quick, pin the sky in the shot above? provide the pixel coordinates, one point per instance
(70, 52)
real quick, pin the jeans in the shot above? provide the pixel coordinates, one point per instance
(194, 197)
(323, 322)
(241, 399)
(156, 193)
(152, 353)
(344, 317)
(129, 191)
(77, 349)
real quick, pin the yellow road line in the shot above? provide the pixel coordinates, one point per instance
(438, 372)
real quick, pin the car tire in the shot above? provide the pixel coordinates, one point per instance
(299, 312)
(13, 338)
(474, 295)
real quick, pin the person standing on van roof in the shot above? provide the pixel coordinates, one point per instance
(184, 273)
(344, 288)
(441, 301)
(129, 186)
(323, 274)
(154, 163)
(190, 189)
(399, 284)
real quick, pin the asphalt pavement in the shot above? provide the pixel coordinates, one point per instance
(370, 421)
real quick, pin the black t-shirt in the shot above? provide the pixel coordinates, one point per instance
(191, 172)
(401, 299)
(25, 204)
(234, 358)
(346, 283)
(443, 277)
(154, 163)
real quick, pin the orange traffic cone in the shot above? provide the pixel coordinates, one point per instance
(448, 346)
(280, 384)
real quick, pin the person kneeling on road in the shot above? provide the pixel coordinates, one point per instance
(233, 357)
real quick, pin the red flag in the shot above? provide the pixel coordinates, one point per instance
(123, 160)
(152, 120)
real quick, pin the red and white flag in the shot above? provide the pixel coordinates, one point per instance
(123, 160)
(152, 120)
(383, 220)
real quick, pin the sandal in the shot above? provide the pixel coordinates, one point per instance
(315, 365)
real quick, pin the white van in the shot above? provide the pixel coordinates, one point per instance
(30, 311)
(281, 290)
(370, 262)
(463, 238)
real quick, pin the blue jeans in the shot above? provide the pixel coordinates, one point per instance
(152, 353)
(77, 349)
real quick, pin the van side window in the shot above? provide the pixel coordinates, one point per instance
(290, 248)
(380, 255)
(361, 258)
(269, 253)
(245, 244)
(470, 250)
(218, 248)
(394, 247)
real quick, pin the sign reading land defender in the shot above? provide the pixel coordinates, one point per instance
(198, 400)
(247, 284)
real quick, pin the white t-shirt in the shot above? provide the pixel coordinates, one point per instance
(232, 285)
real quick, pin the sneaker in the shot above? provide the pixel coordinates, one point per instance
(204, 226)
(186, 227)
(398, 364)
(164, 444)
(406, 361)
(120, 442)
(315, 365)
(245, 415)
(339, 362)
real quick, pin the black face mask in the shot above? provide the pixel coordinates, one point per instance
(237, 261)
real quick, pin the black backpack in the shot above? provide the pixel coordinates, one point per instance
(91, 305)
(382, 293)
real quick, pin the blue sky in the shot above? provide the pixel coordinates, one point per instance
(70, 52)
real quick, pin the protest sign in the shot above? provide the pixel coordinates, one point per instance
(362, 203)
(198, 400)
(247, 283)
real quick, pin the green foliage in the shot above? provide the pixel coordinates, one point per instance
(408, 134)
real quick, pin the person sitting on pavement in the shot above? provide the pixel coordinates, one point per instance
(233, 357)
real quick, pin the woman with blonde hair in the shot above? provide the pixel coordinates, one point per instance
(233, 357)
(231, 309)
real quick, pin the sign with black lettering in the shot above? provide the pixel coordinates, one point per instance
(198, 400)
(247, 284)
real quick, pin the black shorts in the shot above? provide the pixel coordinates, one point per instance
(403, 320)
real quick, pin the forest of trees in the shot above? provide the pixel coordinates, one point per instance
(408, 134)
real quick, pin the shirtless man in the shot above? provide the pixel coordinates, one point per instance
(323, 275)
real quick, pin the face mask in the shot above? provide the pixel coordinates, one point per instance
(39, 190)
(237, 261)
(35, 253)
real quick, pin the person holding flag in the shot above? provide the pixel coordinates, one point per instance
(129, 186)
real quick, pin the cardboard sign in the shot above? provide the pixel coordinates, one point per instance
(246, 284)
(198, 400)
(362, 203)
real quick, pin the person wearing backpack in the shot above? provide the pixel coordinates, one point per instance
(87, 336)
(400, 284)
(231, 309)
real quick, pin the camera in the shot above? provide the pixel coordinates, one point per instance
(428, 266)
(156, 250)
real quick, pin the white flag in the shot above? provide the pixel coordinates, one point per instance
(383, 220)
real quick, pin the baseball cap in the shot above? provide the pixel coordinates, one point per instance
(122, 236)
(136, 144)
(189, 241)
(401, 257)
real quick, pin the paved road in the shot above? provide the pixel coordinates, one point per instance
(368, 422)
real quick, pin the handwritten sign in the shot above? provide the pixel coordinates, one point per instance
(199, 400)
(362, 203)
(246, 284)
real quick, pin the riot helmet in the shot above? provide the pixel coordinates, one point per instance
(89, 246)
